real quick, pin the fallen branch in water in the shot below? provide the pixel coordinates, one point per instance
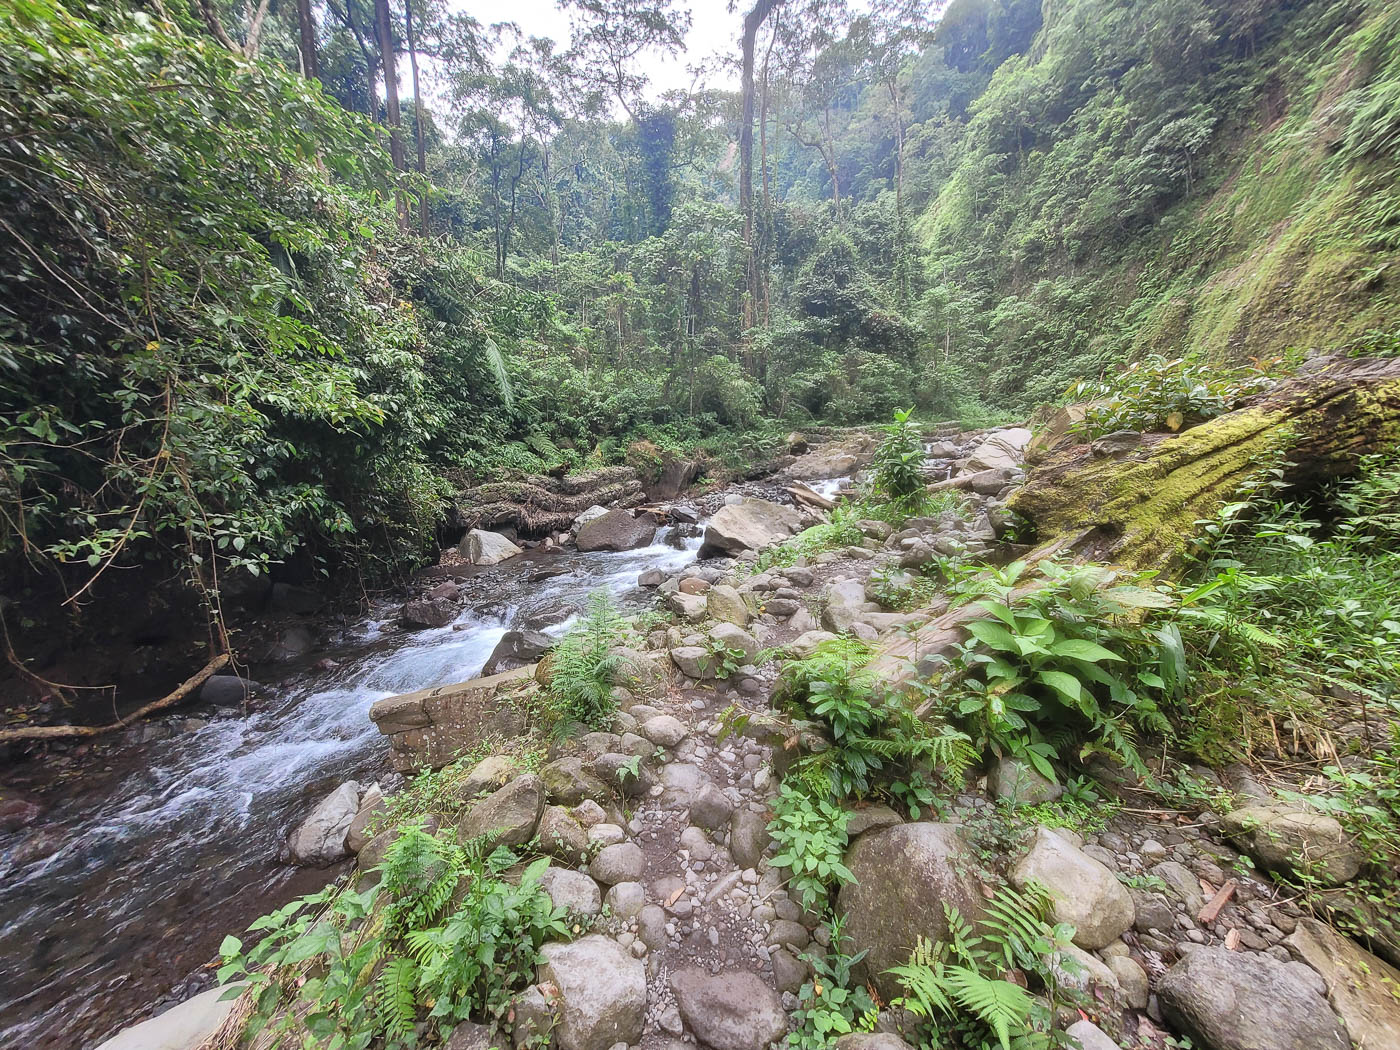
(186, 687)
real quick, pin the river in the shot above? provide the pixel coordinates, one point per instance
(159, 855)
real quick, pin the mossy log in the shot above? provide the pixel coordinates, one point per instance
(1141, 509)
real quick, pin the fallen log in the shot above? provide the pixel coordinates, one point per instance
(186, 687)
(966, 481)
(1142, 509)
(809, 496)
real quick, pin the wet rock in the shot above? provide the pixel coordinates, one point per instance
(572, 890)
(748, 526)
(1295, 840)
(1018, 783)
(319, 840)
(845, 603)
(602, 993)
(1228, 1000)
(429, 612)
(516, 649)
(724, 604)
(371, 803)
(506, 817)
(486, 548)
(617, 530)
(623, 862)
(226, 690)
(1086, 894)
(651, 578)
(730, 1011)
(561, 836)
(1364, 990)
(904, 877)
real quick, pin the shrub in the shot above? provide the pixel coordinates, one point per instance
(584, 667)
(1158, 393)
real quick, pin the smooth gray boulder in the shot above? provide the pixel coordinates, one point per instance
(569, 782)
(735, 639)
(1090, 1036)
(710, 808)
(182, 1027)
(1084, 892)
(1018, 783)
(1295, 840)
(1001, 451)
(486, 548)
(561, 836)
(371, 803)
(904, 877)
(724, 603)
(623, 862)
(748, 837)
(572, 890)
(665, 730)
(748, 526)
(602, 992)
(845, 604)
(617, 530)
(507, 817)
(735, 1010)
(805, 644)
(694, 661)
(319, 840)
(1228, 1000)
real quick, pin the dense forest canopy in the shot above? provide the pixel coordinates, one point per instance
(276, 278)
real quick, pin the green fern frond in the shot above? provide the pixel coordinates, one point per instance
(395, 993)
(1000, 1005)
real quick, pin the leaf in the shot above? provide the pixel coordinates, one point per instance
(1083, 649)
(993, 634)
(1063, 683)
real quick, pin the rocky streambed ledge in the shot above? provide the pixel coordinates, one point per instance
(689, 932)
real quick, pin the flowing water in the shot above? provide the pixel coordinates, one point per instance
(152, 863)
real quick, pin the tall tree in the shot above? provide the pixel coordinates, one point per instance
(384, 32)
(306, 26)
(753, 21)
(417, 111)
(609, 36)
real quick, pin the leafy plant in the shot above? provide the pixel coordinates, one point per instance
(442, 937)
(828, 1006)
(810, 835)
(897, 461)
(584, 667)
(1158, 393)
(963, 984)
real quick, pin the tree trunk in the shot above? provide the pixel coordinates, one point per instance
(417, 113)
(752, 22)
(306, 23)
(1140, 510)
(388, 61)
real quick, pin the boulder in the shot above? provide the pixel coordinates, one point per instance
(516, 649)
(561, 836)
(602, 992)
(845, 603)
(664, 730)
(1003, 450)
(694, 661)
(804, 645)
(469, 1035)
(593, 513)
(1018, 783)
(735, 1010)
(748, 837)
(625, 900)
(622, 862)
(651, 578)
(536, 1016)
(486, 548)
(735, 639)
(371, 802)
(506, 817)
(1228, 1000)
(428, 612)
(1085, 893)
(724, 603)
(904, 876)
(871, 818)
(1090, 1036)
(568, 782)
(490, 774)
(1364, 990)
(1295, 840)
(572, 890)
(748, 526)
(183, 1027)
(227, 690)
(319, 840)
(710, 808)
(871, 1041)
(617, 530)
(690, 607)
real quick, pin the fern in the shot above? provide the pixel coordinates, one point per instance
(395, 996)
(999, 1004)
(585, 668)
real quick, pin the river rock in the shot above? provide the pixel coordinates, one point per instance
(1085, 893)
(748, 837)
(561, 836)
(735, 639)
(689, 607)
(709, 808)
(227, 690)
(572, 890)
(871, 818)
(845, 602)
(516, 649)
(568, 782)
(1364, 990)
(1228, 1000)
(694, 661)
(735, 1010)
(805, 644)
(623, 862)
(665, 730)
(486, 548)
(1295, 840)
(748, 526)
(602, 992)
(904, 876)
(319, 840)
(1018, 783)
(490, 774)
(1003, 450)
(626, 900)
(650, 578)
(468, 1035)
(371, 802)
(591, 514)
(429, 612)
(506, 817)
(871, 1041)
(1090, 1036)
(182, 1027)
(1132, 980)
(724, 603)
(617, 530)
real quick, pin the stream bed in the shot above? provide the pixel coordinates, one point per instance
(151, 860)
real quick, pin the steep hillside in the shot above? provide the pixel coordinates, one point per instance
(1219, 181)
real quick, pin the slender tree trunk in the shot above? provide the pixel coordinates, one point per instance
(255, 26)
(752, 22)
(417, 113)
(216, 28)
(306, 23)
(829, 155)
(384, 31)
